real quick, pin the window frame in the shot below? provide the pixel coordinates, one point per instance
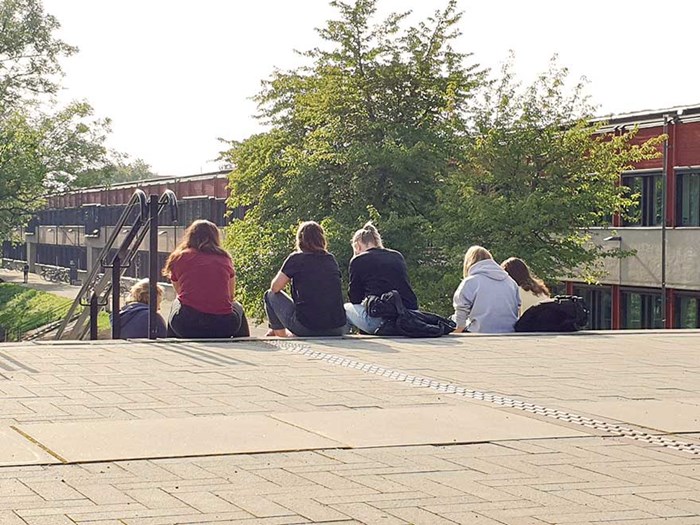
(678, 296)
(681, 175)
(650, 298)
(597, 318)
(650, 200)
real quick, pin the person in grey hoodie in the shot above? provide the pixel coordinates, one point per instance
(487, 299)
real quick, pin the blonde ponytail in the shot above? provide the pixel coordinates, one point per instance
(368, 235)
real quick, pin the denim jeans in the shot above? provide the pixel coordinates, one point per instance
(281, 313)
(357, 316)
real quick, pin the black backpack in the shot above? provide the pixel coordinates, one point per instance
(564, 313)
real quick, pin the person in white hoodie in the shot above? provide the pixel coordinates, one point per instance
(487, 299)
(532, 289)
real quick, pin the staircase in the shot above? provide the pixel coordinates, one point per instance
(141, 218)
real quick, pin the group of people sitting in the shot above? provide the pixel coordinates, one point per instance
(489, 298)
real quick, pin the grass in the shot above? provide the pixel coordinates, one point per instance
(24, 309)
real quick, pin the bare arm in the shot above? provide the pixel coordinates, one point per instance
(462, 302)
(279, 282)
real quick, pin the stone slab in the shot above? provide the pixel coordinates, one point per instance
(663, 415)
(165, 438)
(466, 423)
(16, 450)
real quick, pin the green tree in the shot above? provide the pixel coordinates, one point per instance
(118, 169)
(29, 52)
(368, 128)
(41, 147)
(39, 153)
(536, 176)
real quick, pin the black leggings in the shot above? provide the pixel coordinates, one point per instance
(187, 323)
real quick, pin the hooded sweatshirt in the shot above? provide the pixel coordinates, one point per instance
(134, 322)
(487, 300)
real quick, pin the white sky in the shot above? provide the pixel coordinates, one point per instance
(173, 75)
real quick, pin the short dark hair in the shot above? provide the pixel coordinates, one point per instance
(311, 238)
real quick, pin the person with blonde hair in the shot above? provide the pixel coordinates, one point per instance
(375, 270)
(204, 279)
(316, 305)
(532, 289)
(487, 299)
(133, 317)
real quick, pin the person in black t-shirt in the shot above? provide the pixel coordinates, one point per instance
(375, 270)
(316, 305)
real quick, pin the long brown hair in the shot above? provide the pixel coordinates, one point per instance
(521, 274)
(202, 236)
(311, 238)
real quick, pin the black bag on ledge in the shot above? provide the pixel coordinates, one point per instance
(563, 313)
(400, 321)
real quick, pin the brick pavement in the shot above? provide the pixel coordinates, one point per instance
(594, 477)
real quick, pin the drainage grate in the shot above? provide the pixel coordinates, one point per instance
(449, 388)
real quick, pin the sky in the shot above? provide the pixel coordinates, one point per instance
(176, 75)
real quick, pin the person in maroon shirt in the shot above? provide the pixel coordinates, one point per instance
(204, 279)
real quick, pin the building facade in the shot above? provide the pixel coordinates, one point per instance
(73, 228)
(659, 285)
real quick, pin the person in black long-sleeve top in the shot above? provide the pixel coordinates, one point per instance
(375, 270)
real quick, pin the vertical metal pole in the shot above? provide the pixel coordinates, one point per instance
(93, 317)
(664, 183)
(153, 268)
(116, 276)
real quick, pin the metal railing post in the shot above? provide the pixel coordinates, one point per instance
(153, 268)
(94, 311)
(116, 290)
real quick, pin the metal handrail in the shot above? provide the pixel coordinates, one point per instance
(97, 287)
(138, 198)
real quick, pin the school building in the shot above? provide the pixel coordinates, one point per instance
(658, 286)
(74, 227)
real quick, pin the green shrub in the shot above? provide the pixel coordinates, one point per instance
(24, 309)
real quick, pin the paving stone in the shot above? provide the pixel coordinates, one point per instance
(519, 481)
(365, 513)
(308, 508)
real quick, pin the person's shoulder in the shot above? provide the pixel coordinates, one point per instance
(187, 254)
(394, 253)
(134, 307)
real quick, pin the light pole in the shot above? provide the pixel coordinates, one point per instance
(664, 183)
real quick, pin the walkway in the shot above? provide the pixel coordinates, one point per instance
(39, 283)
(588, 428)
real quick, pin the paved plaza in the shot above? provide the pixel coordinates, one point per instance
(593, 427)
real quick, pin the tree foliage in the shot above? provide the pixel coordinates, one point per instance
(536, 175)
(118, 169)
(42, 147)
(29, 52)
(392, 123)
(369, 126)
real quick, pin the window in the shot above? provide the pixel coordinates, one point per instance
(641, 310)
(599, 302)
(687, 310)
(688, 199)
(649, 188)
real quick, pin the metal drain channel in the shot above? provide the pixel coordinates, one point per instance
(449, 388)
